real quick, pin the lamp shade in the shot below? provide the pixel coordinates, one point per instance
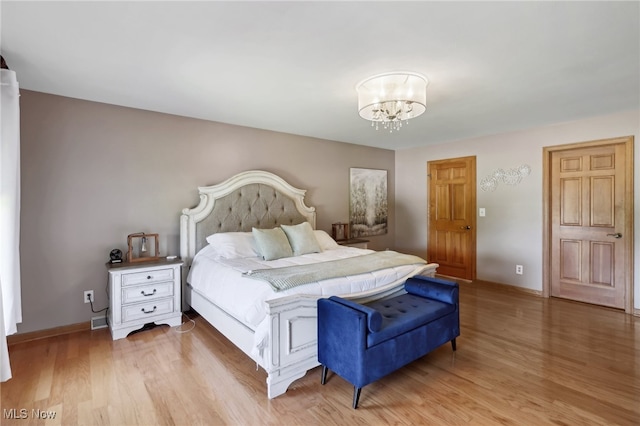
(392, 96)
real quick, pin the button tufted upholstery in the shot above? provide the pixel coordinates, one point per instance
(403, 313)
(255, 205)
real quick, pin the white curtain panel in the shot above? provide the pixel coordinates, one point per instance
(10, 300)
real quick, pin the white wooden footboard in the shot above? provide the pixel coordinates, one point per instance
(292, 341)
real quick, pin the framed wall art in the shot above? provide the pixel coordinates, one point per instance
(368, 209)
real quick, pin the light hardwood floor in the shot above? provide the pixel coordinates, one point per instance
(521, 360)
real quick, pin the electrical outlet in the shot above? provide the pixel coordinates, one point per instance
(519, 270)
(88, 296)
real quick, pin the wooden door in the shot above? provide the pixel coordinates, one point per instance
(591, 223)
(452, 219)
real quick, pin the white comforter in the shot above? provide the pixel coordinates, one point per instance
(244, 298)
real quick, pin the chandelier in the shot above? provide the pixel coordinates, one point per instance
(392, 98)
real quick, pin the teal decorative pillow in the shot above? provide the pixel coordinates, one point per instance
(272, 243)
(302, 238)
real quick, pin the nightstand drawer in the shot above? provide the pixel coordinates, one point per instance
(143, 293)
(147, 310)
(154, 276)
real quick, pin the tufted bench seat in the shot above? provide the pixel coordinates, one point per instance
(362, 343)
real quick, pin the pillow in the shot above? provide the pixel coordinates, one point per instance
(301, 238)
(272, 243)
(231, 245)
(324, 240)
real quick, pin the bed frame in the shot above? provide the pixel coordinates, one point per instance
(263, 200)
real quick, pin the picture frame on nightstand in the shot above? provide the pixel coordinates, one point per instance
(340, 231)
(143, 247)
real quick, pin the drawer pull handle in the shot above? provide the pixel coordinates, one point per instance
(148, 294)
(148, 312)
(149, 277)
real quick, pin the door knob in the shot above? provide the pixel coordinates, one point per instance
(466, 227)
(616, 235)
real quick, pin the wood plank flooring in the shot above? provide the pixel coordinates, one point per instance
(521, 360)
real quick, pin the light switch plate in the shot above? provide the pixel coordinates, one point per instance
(481, 212)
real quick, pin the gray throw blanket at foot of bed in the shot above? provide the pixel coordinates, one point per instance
(292, 276)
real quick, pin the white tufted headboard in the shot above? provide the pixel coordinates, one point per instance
(249, 199)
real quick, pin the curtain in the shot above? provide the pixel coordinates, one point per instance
(10, 299)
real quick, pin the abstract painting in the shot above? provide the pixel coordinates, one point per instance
(368, 208)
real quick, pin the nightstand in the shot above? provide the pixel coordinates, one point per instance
(354, 242)
(143, 292)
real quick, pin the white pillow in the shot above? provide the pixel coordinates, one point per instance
(324, 240)
(272, 243)
(301, 238)
(231, 245)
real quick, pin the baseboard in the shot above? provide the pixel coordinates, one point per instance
(501, 286)
(51, 332)
(84, 326)
(450, 278)
(509, 287)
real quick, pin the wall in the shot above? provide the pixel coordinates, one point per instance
(511, 232)
(93, 173)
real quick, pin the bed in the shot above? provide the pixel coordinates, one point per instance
(225, 275)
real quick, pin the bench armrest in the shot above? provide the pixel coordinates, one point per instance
(342, 335)
(433, 288)
(374, 318)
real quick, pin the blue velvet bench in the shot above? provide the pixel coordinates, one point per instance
(363, 343)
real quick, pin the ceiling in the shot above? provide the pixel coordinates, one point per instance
(292, 67)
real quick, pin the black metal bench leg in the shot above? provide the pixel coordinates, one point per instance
(323, 379)
(356, 396)
(453, 343)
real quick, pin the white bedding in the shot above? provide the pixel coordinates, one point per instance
(221, 281)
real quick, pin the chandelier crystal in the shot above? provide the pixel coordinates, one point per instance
(392, 99)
